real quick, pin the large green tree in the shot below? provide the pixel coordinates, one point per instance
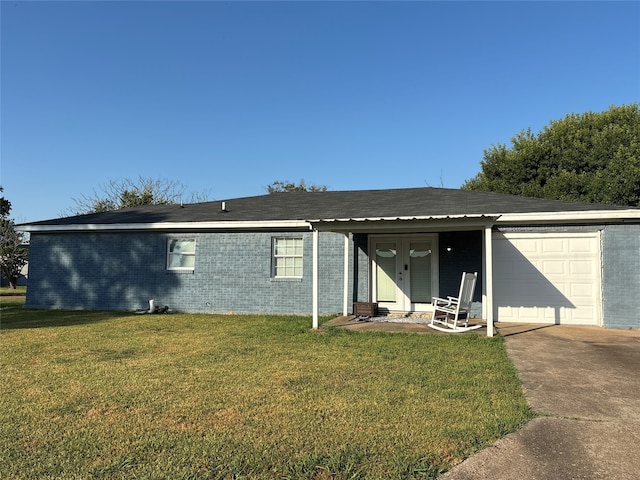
(13, 251)
(118, 194)
(589, 157)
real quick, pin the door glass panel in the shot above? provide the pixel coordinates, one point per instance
(420, 271)
(386, 271)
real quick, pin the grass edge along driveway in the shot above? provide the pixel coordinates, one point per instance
(116, 395)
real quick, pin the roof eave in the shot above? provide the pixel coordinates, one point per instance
(359, 223)
(171, 226)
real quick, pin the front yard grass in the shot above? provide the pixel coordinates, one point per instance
(7, 291)
(180, 396)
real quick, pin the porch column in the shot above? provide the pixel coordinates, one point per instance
(314, 282)
(345, 305)
(487, 280)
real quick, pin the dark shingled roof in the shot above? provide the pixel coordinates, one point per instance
(357, 204)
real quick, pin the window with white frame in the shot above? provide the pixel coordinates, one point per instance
(181, 254)
(287, 257)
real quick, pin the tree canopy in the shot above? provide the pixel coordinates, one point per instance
(13, 252)
(286, 186)
(119, 194)
(5, 206)
(589, 157)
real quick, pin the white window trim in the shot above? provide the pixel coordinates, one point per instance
(185, 254)
(274, 275)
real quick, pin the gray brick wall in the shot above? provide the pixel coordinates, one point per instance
(122, 271)
(96, 271)
(621, 276)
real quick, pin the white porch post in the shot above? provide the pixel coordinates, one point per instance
(315, 279)
(484, 277)
(487, 280)
(345, 304)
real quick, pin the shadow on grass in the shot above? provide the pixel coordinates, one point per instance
(13, 316)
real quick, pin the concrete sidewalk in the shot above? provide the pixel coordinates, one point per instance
(586, 381)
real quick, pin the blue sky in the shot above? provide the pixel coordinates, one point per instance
(227, 97)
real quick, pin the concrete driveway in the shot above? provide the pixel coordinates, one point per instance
(586, 383)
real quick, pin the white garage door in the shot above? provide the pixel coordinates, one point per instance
(547, 278)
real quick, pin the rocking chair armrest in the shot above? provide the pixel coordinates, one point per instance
(437, 301)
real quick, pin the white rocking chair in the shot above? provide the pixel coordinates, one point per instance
(452, 314)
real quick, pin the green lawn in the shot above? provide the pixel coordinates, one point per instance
(8, 291)
(179, 396)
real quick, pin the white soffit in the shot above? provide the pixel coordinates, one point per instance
(375, 224)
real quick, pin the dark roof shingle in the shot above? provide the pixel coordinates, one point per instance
(356, 204)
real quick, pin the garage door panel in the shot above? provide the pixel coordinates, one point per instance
(547, 277)
(553, 246)
(582, 245)
(528, 246)
(582, 290)
(582, 317)
(554, 267)
(532, 315)
(581, 267)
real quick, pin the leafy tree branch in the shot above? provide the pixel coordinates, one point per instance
(126, 193)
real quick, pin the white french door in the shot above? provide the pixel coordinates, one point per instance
(404, 271)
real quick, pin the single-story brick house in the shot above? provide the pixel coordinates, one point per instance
(539, 261)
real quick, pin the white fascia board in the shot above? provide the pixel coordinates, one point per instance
(571, 217)
(397, 224)
(260, 225)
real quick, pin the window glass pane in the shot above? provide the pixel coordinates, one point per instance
(187, 261)
(188, 247)
(182, 246)
(174, 261)
(420, 272)
(279, 266)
